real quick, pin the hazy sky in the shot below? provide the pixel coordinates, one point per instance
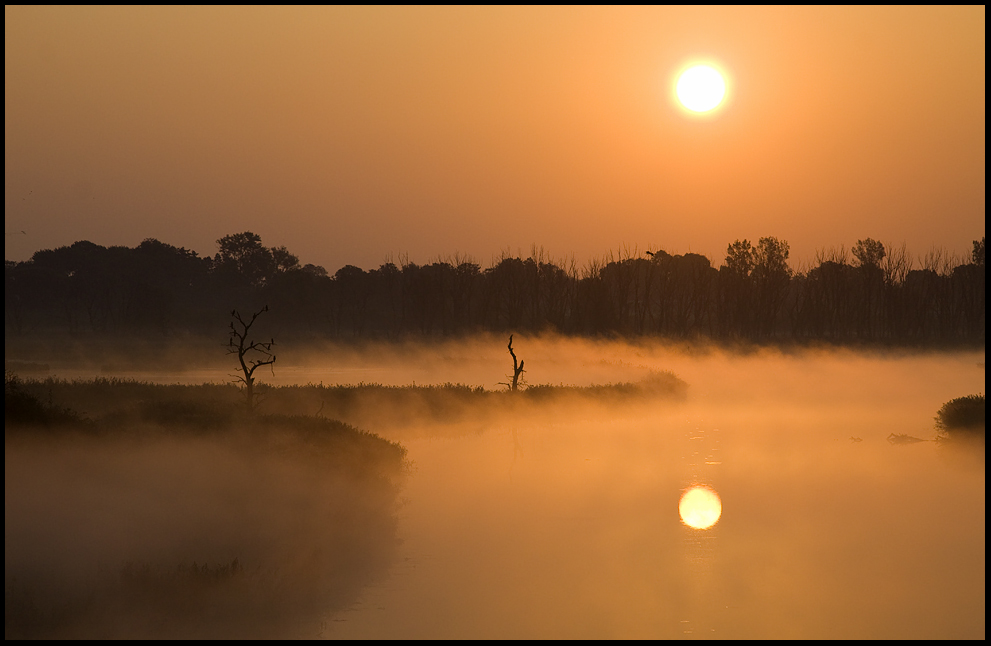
(353, 134)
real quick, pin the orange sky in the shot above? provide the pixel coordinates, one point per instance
(353, 134)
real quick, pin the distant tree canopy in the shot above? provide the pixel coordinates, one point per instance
(244, 254)
(740, 258)
(869, 253)
(882, 296)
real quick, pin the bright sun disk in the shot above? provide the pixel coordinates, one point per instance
(701, 88)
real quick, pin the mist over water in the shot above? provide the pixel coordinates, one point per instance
(569, 527)
(561, 518)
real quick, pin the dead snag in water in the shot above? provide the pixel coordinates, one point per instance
(517, 367)
(240, 345)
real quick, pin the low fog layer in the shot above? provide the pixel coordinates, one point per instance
(482, 360)
(176, 536)
(526, 517)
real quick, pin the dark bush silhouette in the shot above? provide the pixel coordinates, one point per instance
(23, 409)
(962, 417)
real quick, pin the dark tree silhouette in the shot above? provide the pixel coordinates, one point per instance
(283, 260)
(771, 275)
(740, 258)
(869, 252)
(245, 254)
(242, 346)
(877, 294)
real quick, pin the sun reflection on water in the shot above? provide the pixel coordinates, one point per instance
(700, 507)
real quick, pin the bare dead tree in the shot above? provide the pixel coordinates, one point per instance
(896, 264)
(240, 345)
(517, 368)
(937, 260)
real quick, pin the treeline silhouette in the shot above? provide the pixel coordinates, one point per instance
(869, 295)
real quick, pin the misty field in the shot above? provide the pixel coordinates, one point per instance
(400, 491)
(182, 520)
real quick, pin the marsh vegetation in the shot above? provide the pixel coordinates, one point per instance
(962, 419)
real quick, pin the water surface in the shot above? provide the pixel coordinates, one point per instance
(567, 525)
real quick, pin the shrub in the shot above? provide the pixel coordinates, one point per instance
(961, 416)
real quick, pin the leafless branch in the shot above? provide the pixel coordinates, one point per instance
(239, 344)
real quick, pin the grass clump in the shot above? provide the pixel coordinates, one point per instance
(24, 409)
(961, 417)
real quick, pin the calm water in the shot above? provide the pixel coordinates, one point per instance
(567, 524)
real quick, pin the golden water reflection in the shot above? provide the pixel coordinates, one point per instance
(700, 507)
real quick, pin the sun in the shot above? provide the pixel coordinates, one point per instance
(700, 507)
(701, 88)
